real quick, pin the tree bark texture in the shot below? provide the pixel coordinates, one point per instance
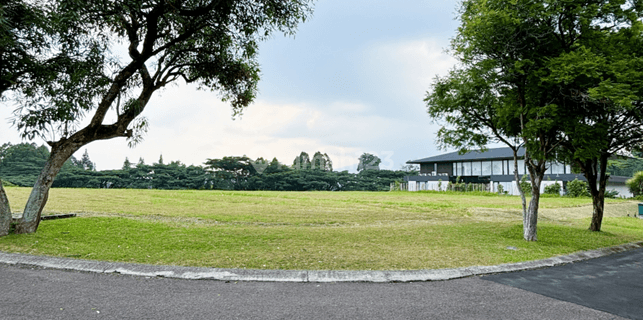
(522, 193)
(530, 223)
(597, 180)
(5, 212)
(40, 192)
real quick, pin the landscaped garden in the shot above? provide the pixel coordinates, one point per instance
(313, 230)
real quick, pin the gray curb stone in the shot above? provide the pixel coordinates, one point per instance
(194, 273)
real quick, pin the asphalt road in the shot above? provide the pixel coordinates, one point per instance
(613, 283)
(36, 293)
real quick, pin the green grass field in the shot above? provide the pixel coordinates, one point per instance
(312, 230)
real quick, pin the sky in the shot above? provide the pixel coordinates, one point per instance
(352, 80)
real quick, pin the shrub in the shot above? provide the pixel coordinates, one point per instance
(525, 186)
(611, 194)
(553, 189)
(577, 188)
(501, 189)
(635, 184)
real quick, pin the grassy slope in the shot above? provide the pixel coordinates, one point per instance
(312, 230)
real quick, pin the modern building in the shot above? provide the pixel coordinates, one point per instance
(493, 167)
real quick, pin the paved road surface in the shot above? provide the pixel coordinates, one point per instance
(35, 293)
(613, 283)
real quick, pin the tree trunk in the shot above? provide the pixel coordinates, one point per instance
(40, 192)
(530, 231)
(522, 193)
(598, 194)
(5, 212)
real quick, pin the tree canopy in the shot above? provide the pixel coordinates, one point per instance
(210, 43)
(368, 161)
(545, 75)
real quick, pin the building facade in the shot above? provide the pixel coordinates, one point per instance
(493, 168)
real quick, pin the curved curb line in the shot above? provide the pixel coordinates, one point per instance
(194, 273)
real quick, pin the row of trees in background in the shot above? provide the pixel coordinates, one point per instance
(20, 164)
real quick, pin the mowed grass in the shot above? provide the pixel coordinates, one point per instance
(312, 230)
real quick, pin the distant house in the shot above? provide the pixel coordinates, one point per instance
(493, 167)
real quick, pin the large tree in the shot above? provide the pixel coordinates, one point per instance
(212, 43)
(504, 47)
(599, 83)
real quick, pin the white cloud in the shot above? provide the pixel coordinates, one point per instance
(408, 67)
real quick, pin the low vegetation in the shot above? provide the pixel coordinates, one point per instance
(313, 230)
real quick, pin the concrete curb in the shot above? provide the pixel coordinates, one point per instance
(194, 273)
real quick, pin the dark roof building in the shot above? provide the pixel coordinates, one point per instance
(492, 167)
(489, 154)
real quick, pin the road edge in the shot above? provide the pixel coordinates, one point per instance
(199, 273)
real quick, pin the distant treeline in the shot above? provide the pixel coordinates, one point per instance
(20, 164)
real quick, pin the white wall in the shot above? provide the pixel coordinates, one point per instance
(623, 191)
(429, 185)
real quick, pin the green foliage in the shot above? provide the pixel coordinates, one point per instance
(211, 44)
(501, 189)
(21, 164)
(321, 162)
(635, 184)
(525, 186)
(625, 167)
(577, 188)
(368, 161)
(302, 162)
(612, 194)
(553, 189)
(8, 184)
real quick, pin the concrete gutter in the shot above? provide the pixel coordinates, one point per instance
(194, 273)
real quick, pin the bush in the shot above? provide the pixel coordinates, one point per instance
(525, 186)
(501, 189)
(577, 188)
(553, 189)
(612, 194)
(635, 184)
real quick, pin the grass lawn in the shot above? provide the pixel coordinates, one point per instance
(312, 230)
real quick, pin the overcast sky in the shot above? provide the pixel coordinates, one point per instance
(352, 80)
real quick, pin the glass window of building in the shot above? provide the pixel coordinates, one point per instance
(496, 168)
(455, 169)
(568, 169)
(549, 168)
(475, 168)
(558, 168)
(466, 166)
(521, 167)
(486, 168)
